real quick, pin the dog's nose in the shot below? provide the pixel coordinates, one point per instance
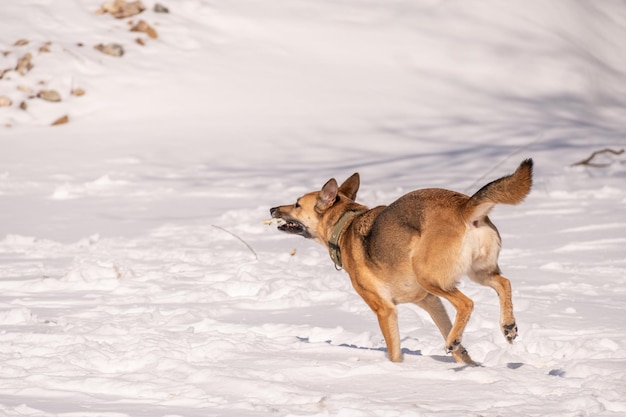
(273, 210)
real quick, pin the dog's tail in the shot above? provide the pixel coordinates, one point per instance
(511, 189)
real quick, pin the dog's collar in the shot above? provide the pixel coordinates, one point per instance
(333, 242)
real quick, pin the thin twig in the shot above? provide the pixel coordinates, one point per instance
(588, 162)
(240, 239)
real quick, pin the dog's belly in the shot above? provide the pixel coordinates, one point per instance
(405, 290)
(397, 281)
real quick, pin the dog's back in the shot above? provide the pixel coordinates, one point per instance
(442, 233)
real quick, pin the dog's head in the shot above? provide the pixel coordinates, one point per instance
(305, 217)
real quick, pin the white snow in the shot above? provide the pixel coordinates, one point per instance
(137, 278)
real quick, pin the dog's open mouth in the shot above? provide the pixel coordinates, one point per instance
(291, 226)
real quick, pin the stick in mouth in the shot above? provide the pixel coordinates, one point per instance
(275, 221)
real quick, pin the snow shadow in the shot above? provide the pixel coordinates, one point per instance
(405, 351)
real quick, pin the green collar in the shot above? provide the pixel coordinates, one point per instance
(333, 242)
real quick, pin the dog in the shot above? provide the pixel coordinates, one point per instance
(415, 250)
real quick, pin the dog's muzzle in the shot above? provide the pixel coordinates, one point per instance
(290, 225)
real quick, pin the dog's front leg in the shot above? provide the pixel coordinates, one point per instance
(384, 308)
(388, 321)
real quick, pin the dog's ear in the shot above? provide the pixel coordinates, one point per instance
(350, 186)
(327, 195)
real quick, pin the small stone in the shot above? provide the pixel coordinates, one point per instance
(24, 105)
(78, 92)
(113, 49)
(61, 120)
(159, 8)
(144, 27)
(5, 101)
(25, 89)
(24, 64)
(49, 95)
(21, 42)
(120, 9)
(45, 47)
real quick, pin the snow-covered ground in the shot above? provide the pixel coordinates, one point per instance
(137, 278)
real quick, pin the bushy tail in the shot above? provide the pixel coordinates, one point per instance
(511, 189)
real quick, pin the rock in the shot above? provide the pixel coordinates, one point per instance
(25, 89)
(120, 9)
(113, 49)
(21, 42)
(61, 120)
(5, 101)
(24, 64)
(49, 95)
(159, 8)
(144, 27)
(78, 92)
(24, 105)
(45, 47)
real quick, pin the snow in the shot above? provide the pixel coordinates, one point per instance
(137, 278)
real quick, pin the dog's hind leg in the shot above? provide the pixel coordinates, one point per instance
(463, 306)
(502, 286)
(434, 307)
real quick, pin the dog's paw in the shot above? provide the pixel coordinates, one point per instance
(509, 331)
(461, 356)
(453, 345)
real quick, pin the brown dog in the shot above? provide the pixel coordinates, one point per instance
(414, 250)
